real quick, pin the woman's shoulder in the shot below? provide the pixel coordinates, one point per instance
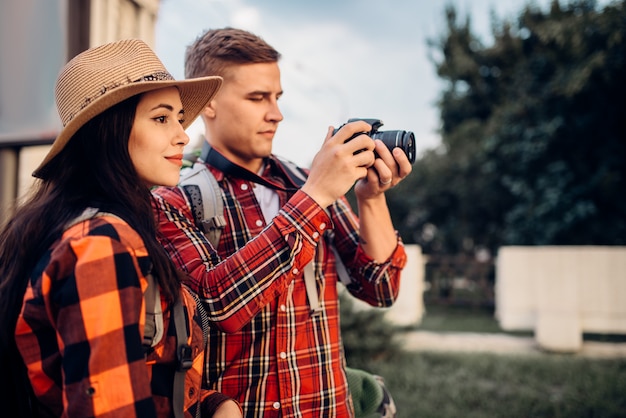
(100, 224)
(104, 229)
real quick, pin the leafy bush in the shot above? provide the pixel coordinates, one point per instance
(366, 334)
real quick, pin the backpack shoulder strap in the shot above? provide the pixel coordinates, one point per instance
(298, 176)
(184, 355)
(86, 214)
(205, 196)
(153, 329)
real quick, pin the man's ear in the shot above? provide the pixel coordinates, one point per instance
(209, 110)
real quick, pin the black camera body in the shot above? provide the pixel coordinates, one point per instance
(392, 139)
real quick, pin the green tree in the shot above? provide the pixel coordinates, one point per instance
(533, 135)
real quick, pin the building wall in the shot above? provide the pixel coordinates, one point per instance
(108, 20)
(112, 20)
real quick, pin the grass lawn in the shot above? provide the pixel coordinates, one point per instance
(447, 385)
(458, 319)
(476, 385)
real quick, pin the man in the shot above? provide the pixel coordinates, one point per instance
(272, 346)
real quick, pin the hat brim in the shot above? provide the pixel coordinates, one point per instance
(195, 95)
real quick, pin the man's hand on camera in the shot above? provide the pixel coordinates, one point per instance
(389, 169)
(340, 163)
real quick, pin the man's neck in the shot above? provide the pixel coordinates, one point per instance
(253, 165)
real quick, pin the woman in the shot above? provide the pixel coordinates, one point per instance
(79, 256)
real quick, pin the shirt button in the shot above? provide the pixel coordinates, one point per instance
(259, 222)
(276, 405)
(283, 308)
(295, 271)
(244, 186)
(316, 234)
(283, 355)
(323, 226)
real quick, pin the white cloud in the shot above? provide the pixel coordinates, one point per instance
(246, 17)
(341, 59)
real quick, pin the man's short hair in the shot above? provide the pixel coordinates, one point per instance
(217, 49)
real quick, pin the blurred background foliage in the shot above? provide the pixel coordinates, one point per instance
(533, 152)
(533, 130)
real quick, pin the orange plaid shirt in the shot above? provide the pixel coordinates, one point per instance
(81, 328)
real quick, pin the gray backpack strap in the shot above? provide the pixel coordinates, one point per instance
(342, 271)
(310, 280)
(153, 330)
(184, 355)
(298, 176)
(88, 213)
(311, 288)
(205, 195)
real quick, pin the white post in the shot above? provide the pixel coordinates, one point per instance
(409, 308)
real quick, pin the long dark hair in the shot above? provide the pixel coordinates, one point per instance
(93, 170)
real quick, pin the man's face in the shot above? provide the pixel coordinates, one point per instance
(242, 119)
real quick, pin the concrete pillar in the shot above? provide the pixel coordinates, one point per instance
(8, 180)
(409, 308)
(515, 298)
(602, 289)
(561, 292)
(556, 282)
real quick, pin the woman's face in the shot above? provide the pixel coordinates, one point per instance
(157, 137)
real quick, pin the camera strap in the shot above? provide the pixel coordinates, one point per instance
(217, 160)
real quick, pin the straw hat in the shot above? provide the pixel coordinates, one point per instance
(101, 77)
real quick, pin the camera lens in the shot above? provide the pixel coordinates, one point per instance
(402, 139)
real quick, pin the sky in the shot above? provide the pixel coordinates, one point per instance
(340, 58)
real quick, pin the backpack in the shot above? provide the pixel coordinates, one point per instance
(206, 200)
(207, 207)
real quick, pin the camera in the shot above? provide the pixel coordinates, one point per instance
(392, 139)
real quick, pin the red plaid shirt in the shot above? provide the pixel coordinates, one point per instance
(265, 348)
(81, 328)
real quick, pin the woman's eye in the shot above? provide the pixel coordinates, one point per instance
(161, 119)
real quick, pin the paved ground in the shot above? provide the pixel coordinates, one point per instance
(500, 343)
